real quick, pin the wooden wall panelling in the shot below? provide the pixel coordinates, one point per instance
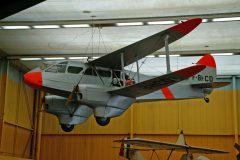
(156, 117)
(3, 77)
(11, 101)
(8, 138)
(16, 133)
(213, 118)
(89, 147)
(26, 107)
(23, 142)
(238, 109)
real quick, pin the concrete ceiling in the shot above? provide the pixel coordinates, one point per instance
(53, 10)
(208, 37)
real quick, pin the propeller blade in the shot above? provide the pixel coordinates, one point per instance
(75, 91)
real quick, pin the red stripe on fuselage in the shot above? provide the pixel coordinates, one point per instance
(167, 93)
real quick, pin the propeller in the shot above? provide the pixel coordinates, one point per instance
(76, 92)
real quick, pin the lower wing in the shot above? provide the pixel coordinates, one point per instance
(157, 83)
(157, 145)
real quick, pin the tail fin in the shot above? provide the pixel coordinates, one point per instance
(181, 139)
(207, 60)
(207, 75)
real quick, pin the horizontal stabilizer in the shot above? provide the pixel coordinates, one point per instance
(157, 83)
(210, 85)
(157, 145)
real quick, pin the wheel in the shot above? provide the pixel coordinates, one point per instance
(206, 100)
(102, 121)
(67, 127)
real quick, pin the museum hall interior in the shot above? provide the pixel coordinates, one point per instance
(116, 80)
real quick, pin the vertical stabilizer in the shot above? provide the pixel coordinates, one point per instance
(207, 75)
(181, 139)
(207, 60)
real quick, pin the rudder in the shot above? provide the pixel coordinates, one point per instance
(207, 75)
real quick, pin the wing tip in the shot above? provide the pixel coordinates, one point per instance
(190, 71)
(207, 60)
(187, 26)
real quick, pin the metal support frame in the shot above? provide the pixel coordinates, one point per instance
(235, 113)
(138, 78)
(167, 54)
(170, 154)
(123, 73)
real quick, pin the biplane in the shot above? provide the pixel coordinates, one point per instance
(104, 88)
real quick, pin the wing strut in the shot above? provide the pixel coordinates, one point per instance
(138, 78)
(123, 73)
(167, 53)
(170, 154)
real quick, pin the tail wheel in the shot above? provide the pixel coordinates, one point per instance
(102, 121)
(67, 127)
(206, 100)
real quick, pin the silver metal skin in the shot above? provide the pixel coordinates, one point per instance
(95, 96)
(103, 88)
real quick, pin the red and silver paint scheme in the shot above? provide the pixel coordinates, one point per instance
(101, 87)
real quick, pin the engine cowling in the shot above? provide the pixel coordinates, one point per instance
(71, 114)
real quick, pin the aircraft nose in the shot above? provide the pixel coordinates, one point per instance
(33, 79)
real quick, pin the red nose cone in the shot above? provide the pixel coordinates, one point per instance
(33, 79)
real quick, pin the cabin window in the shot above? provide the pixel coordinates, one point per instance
(104, 73)
(59, 68)
(74, 69)
(90, 71)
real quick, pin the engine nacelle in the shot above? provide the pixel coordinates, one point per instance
(116, 106)
(71, 114)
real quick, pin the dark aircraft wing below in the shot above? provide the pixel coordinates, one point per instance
(144, 47)
(157, 83)
(10, 7)
(158, 145)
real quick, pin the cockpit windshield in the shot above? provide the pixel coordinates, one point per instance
(58, 68)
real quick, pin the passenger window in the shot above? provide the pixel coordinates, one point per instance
(90, 71)
(75, 70)
(104, 73)
(52, 69)
(59, 68)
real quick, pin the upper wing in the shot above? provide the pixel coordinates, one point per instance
(157, 83)
(168, 146)
(145, 46)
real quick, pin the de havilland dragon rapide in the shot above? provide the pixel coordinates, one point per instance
(103, 87)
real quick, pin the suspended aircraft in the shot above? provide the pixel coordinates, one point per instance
(102, 86)
(128, 148)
